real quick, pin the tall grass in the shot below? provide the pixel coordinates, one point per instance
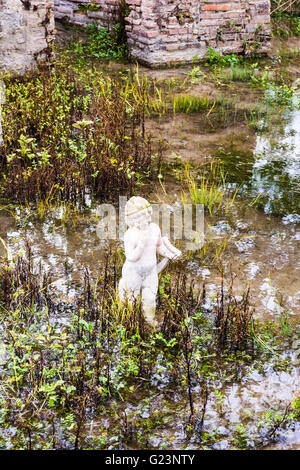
(238, 73)
(190, 104)
(209, 190)
(234, 320)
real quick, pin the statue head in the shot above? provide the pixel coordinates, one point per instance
(138, 212)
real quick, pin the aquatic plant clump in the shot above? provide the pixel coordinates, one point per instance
(71, 133)
(100, 44)
(59, 373)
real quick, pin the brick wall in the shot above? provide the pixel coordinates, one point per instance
(172, 31)
(166, 31)
(159, 31)
(25, 33)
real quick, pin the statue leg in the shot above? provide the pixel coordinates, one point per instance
(129, 285)
(149, 291)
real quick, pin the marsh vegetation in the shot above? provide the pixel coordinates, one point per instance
(79, 370)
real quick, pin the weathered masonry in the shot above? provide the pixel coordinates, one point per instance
(84, 12)
(172, 31)
(26, 32)
(159, 31)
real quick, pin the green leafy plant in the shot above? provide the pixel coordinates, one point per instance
(217, 58)
(100, 44)
(70, 132)
(281, 95)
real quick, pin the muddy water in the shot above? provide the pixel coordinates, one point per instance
(262, 250)
(263, 244)
(242, 404)
(263, 254)
(274, 166)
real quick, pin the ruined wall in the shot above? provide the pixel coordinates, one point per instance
(26, 31)
(85, 12)
(166, 31)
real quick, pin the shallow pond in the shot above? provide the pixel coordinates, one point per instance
(262, 250)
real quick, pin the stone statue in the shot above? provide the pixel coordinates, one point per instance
(143, 241)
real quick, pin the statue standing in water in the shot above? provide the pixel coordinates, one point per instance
(143, 241)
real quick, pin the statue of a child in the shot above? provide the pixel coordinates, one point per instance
(143, 241)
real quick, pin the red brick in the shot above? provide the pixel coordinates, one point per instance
(217, 7)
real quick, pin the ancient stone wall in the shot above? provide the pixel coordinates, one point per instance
(173, 31)
(85, 12)
(166, 31)
(159, 31)
(26, 31)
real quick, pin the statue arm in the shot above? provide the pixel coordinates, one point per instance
(166, 249)
(134, 247)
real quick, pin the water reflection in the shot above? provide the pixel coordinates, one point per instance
(276, 171)
(272, 169)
